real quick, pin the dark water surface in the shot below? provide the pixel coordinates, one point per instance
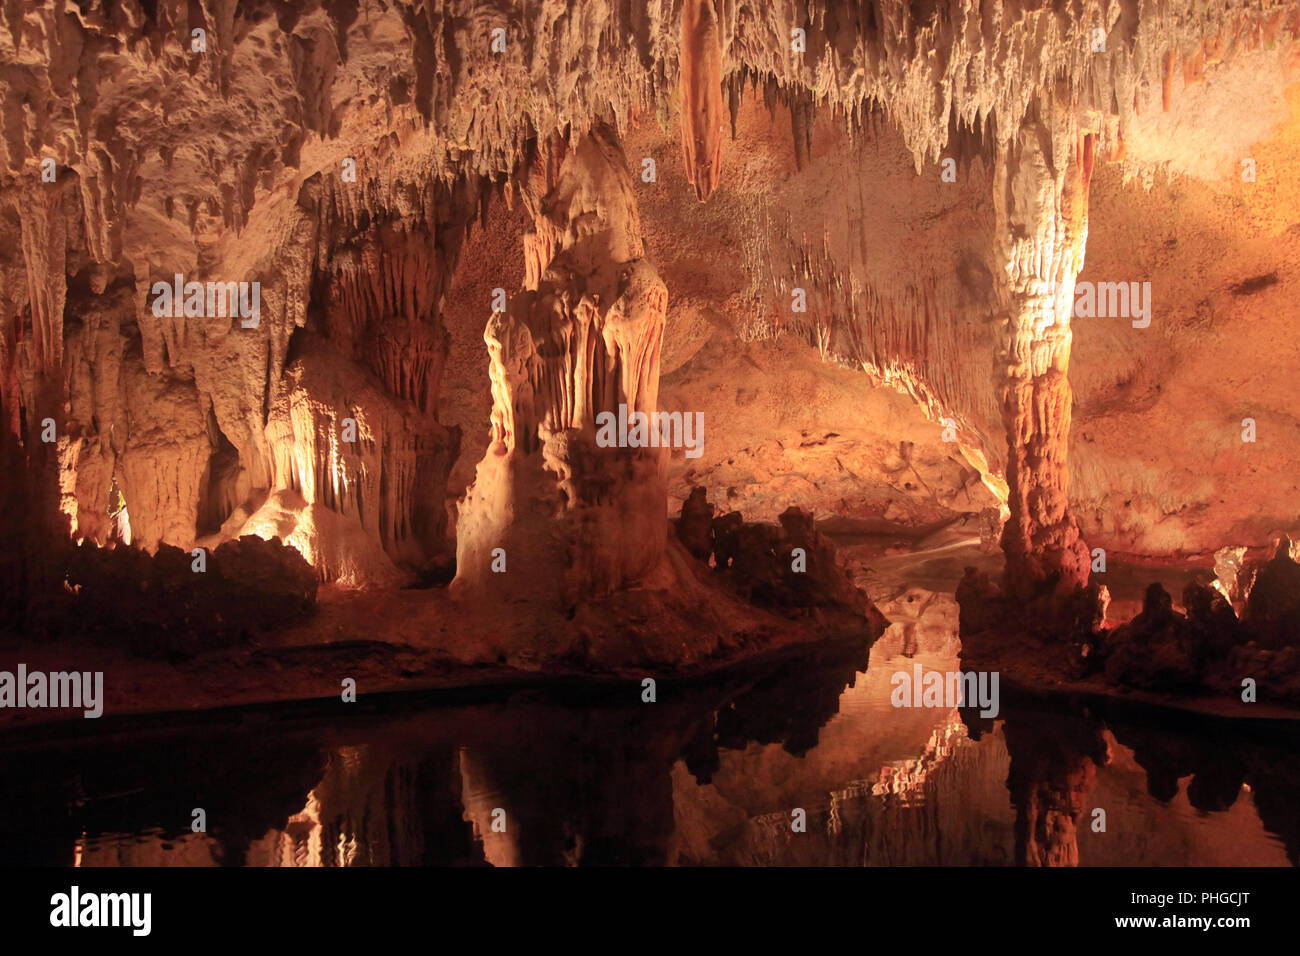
(711, 773)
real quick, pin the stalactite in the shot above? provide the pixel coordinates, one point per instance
(909, 331)
(381, 306)
(701, 97)
(802, 117)
(491, 112)
(381, 256)
(41, 392)
(44, 238)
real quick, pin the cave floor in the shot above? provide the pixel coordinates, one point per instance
(420, 640)
(416, 640)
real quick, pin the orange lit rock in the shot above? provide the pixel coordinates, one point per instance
(701, 96)
(1040, 201)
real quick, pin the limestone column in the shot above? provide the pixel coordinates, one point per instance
(1041, 211)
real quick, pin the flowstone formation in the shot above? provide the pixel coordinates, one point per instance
(358, 459)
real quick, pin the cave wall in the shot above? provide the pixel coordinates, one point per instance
(1156, 457)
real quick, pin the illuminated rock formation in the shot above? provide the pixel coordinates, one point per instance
(701, 82)
(925, 203)
(1209, 647)
(553, 509)
(358, 460)
(1040, 201)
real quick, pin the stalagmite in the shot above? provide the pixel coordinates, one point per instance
(573, 519)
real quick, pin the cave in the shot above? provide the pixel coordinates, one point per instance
(724, 363)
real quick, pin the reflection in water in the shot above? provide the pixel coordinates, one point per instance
(709, 774)
(1053, 769)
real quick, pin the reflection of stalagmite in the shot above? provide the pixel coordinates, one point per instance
(483, 801)
(583, 337)
(382, 804)
(529, 809)
(1040, 201)
(1054, 763)
(701, 85)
